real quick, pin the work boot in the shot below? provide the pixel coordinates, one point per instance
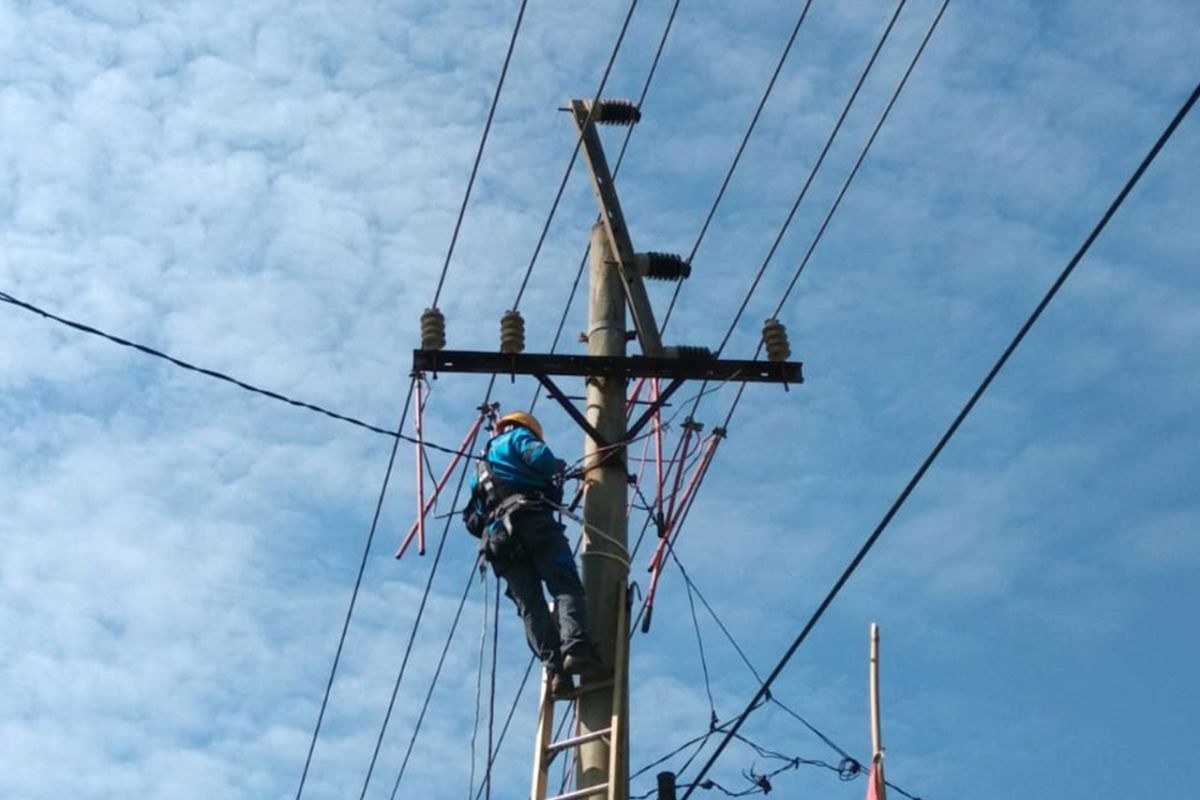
(562, 685)
(582, 662)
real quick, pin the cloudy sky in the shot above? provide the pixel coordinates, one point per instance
(268, 190)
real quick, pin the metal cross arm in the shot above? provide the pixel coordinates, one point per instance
(625, 367)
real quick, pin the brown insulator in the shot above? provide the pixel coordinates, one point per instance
(433, 329)
(512, 332)
(776, 339)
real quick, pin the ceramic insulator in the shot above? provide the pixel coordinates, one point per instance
(776, 339)
(512, 332)
(433, 329)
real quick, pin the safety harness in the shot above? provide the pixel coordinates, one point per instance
(494, 502)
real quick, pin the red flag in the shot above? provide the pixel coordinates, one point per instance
(875, 779)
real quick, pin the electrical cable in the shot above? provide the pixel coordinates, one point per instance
(362, 567)
(483, 631)
(738, 156)
(749, 665)
(487, 127)
(958, 420)
(812, 174)
(150, 351)
(862, 154)
(847, 759)
(412, 637)
(804, 191)
(712, 706)
(433, 683)
(512, 710)
(574, 155)
(487, 775)
(845, 186)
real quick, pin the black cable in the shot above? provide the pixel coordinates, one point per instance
(804, 191)
(487, 127)
(79, 326)
(487, 775)
(412, 636)
(958, 420)
(433, 683)
(738, 156)
(512, 710)
(812, 174)
(7, 298)
(574, 155)
(712, 706)
(845, 186)
(861, 156)
(688, 581)
(847, 759)
(354, 594)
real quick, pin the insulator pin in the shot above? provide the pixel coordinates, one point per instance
(616, 112)
(433, 329)
(512, 332)
(663, 266)
(775, 337)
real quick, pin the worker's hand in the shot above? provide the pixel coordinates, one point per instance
(561, 467)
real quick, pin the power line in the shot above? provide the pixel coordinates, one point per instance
(958, 420)
(400, 427)
(812, 174)
(487, 127)
(846, 757)
(845, 186)
(150, 351)
(437, 673)
(574, 154)
(396, 434)
(354, 594)
(862, 155)
(437, 558)
(737, 157)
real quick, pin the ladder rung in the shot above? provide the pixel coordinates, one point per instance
(578, 793)
(584, 689)
(578, 740)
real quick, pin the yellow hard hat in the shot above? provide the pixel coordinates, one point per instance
(520, 418)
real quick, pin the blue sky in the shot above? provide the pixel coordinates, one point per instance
(269, 189)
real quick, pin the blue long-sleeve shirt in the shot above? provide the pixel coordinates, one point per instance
(520, 460)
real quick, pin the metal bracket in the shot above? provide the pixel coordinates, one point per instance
(655, 405)
(570, 408)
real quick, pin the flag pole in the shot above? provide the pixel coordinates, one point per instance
(877, 789)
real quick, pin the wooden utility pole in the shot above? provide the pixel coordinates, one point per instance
(615, 286)
(876, 773)
(605, 559)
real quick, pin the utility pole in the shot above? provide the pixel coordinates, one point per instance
(616, 273)
(606, 489)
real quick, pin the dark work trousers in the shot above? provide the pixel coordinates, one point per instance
(546, 559)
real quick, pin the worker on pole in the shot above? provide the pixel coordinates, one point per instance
(516, 487)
